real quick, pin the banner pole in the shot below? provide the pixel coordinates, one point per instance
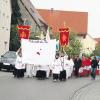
(63, 57)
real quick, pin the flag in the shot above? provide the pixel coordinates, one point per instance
(23, 31)
(64, 36)
(47, 35)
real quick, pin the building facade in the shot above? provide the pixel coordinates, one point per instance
(88, 44)
(31, 17)
(5, 24)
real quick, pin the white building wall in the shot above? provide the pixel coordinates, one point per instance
(5, 23)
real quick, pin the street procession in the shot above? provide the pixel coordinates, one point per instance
(49, 50)
(41, 59)
(43, 48)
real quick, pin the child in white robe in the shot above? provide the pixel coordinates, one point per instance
(57, 68)
(19, 66)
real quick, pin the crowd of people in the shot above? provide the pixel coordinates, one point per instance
(63, 68)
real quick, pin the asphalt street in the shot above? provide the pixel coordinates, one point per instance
(32, 89)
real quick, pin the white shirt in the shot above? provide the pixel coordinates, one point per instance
(18, 63)
(57, 66)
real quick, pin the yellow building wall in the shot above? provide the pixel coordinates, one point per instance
(88, 45)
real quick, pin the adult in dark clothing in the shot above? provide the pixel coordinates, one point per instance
(94, 65)
(77, 65)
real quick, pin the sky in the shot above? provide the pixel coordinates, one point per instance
(90, 6)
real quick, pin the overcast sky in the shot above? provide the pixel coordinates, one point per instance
(90, 6)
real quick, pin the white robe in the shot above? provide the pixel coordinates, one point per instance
(34, 70)
(18, 63)
(68, 66)
(57, 66)
(29, 68)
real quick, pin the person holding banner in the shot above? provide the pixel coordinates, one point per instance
(19, 66)
(57, 68)
(62, 76)
(42, 72)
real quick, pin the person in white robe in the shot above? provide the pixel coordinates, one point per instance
(68, 66)
(47, 69)
(43, 71)
(34, 70)
(19, 66)
(56, 68)
(29, 68)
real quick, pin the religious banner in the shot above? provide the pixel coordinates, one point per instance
(23, 31)
(38, 53)
(64, 36)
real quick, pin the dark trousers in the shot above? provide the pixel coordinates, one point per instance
(18, 72)
(62, 76)
(93, 73)
(76, 72)
(55, 76)
(41, 74)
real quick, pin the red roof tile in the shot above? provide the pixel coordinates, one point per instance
(76, 21)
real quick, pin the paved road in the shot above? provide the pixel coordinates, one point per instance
(33, 89)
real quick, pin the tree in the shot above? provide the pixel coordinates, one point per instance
(15, 19)
(14, 40)
(97, 50)
(15, 12)
(74, 47)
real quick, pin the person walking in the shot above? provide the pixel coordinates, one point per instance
(94, 65)
(77, 65)
(56, 68)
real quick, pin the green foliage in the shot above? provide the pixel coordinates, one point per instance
(35, 36)
(74, 47)
(87, 55)
(97, 50)
(54, 36)
(15, 12)
(14, 40)
(16, 15)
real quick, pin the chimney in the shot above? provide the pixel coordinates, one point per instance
(52, 9)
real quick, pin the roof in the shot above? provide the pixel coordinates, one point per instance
(34, 13)
(76, 21)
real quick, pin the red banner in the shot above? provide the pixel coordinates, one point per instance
(23, 31)
(64, 36)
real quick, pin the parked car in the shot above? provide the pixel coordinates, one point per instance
(7, 61)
